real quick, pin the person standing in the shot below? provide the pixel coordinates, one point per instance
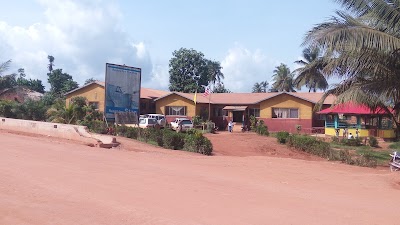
(230, 126)
(357, 133)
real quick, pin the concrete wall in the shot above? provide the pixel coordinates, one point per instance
(176, 100)
(66, 131)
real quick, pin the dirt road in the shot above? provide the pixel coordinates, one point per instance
(46, 181)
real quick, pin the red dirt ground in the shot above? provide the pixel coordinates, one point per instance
(52, 181)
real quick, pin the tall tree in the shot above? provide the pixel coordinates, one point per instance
(51, 63)
(34, 85)
(190, 71)
(310, 74)
(362, 47)
(60, 82)
(283, 79)
(261, 87)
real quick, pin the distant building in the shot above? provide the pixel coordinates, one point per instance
(19, 94)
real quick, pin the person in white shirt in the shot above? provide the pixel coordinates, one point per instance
(350, 136)
(230, 126)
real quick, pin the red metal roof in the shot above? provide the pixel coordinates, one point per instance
(351, 108)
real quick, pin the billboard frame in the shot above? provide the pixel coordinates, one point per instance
(123, 67)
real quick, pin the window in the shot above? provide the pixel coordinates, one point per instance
(143, 105)
(95, 105)
(175, 110)
(285, 113)
(254, 112)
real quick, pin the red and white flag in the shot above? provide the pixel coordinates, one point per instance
(207, 91)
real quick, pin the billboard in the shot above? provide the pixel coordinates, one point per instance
(122, 89)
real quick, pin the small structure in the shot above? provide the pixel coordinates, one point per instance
(358, 120)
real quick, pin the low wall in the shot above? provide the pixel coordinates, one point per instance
(66, 131)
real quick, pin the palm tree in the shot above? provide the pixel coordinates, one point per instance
(310, 74)
(362, 47)
(257, 88)
(4, 67)
(260, 87)
(283, 79)
(214, 71)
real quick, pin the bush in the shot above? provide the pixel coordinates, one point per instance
(196, 142)
(335, 139)
(310, 145)
(173, 140)
(282, 136)
(345, 157)
(351, 142)
(366, 160)
(373, 142)
(253, 122)
(96, 126)
(132, 132)
(262, 129)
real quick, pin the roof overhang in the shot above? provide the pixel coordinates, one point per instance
(235, 108)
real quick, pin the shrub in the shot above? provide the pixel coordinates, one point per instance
(173, 140)
(196, 142)
(351, 142)
(96, 126)
(335, 140)
(373, 142)
(366, 160)
(132, 132)
(253, 122)
(262, 129)
(345, 157)
(282, 136)
(310, 145)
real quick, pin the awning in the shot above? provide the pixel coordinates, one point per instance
(235, 108)
(354, 109)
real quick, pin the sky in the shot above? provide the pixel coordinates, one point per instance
(249, 38)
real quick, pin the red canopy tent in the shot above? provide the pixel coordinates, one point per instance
(351, 108)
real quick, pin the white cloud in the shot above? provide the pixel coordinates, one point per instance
(242, 68)
(81, 35)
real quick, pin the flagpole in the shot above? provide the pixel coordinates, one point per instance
(209, 107)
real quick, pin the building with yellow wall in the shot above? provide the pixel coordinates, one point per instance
(280, 111)
(95, 94)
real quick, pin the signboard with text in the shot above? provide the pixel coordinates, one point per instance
(122, 87)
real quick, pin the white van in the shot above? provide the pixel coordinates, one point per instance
(159, 117)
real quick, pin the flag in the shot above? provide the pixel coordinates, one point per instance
(207, 91)
(195, 97)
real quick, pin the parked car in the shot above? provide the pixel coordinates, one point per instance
(182, 125)
(145, 123)
(159, 117)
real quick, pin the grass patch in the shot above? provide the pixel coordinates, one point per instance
(382, 157)
(395, 145)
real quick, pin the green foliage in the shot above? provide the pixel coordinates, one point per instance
(283, 79)
(262, 129)
(60, 82)
(190, 71)
(96, 126)
(345, 157)
(196, 142)
(310, 145)
(34, 85)
(173, 140)
(395, 145)
(261, 87)
(90, 80)
(197, 120)
(373, 142)
(351, 142)
(7, 109)
(282, 136)
(253, 122)
(311, 73)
